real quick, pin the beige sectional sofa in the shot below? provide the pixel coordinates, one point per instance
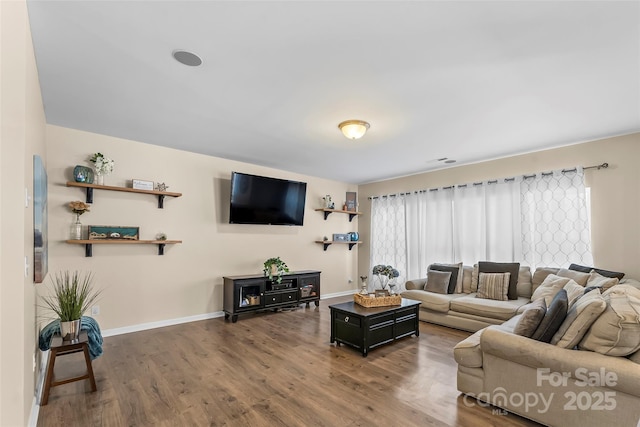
(549, 384)
(463, 310)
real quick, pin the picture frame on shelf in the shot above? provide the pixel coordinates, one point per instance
(140, 184)
(351, 201)
(112, 232)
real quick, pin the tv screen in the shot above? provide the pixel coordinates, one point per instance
(263, 200)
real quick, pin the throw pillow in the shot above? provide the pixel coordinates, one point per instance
(549, 288)
(574, 291)
(531, 318)
(493, 286)
(603, 282)
(437, 281)
(539, 275)
(454, 270)
(579, 277)
(553, 318)
(605, 273)
(635, 357)
(579, 319)
(474, 278)
(513, 268)
(616, 332)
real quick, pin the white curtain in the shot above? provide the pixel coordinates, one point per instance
(429, 220)
(555, 220)
(388, 235)
(537, 221)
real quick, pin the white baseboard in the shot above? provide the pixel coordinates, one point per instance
(180, 320)
(160, 324)
(33, 415)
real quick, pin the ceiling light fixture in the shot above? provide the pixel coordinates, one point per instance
(354, 129)
(187, 58)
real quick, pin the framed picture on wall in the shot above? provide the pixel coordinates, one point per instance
(40, 221)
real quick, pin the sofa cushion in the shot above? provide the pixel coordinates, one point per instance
(453, 277)
(616, 332)
(579, 277)
(549, 288)
(598, 280)
(635, 357)
(501, 310)
(438, 281)
(430, 300)
(539, 275)
(600, 271)
(467, 277)
(524, 281)
(579, 319)
(574, 291)
(531, 318)
(503, 267)
(553, 318)
(468, 352)
(493, 286)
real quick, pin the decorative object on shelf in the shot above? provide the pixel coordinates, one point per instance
(274, 268)
(78, 208)
(354, 129)
(103, 166)
(161, 186)
(72, 295)
(328, 204)
(385, 274)
(341, 238)
(83, 174)
(363, 285)
(109, 232)
(354, 236)
(351, 204)
(161, 236)
(140, 184)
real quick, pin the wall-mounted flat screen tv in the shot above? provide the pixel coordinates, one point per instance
(263, 200)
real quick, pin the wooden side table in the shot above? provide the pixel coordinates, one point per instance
(61, 348)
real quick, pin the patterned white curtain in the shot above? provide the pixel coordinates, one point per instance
(555, 223)
(537, 221)
(388, 235)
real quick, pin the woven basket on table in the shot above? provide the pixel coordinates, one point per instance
(366, 301)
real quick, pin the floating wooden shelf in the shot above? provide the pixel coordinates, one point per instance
(89, 187)
(328, 243)
(88, 244)
(326, 211)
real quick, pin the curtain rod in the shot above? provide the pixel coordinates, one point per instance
(493, 181)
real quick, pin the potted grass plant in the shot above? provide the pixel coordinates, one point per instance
(72, 295)
(274, 268)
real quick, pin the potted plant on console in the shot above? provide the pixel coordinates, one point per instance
(274, 268)
(71, 297)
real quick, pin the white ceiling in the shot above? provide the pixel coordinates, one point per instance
(470, 80)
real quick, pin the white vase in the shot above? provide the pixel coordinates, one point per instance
(99, 179)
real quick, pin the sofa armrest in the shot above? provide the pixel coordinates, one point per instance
(578, 364)
(415, 284)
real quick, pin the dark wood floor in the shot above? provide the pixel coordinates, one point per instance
(268, 369)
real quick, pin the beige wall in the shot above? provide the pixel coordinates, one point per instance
(142, 287)
(21, 136)
(615, 193)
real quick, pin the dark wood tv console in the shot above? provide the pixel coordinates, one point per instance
(246, 294)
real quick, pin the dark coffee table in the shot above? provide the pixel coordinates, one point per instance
(367, 328)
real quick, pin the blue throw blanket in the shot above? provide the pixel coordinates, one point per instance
(86, 324)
